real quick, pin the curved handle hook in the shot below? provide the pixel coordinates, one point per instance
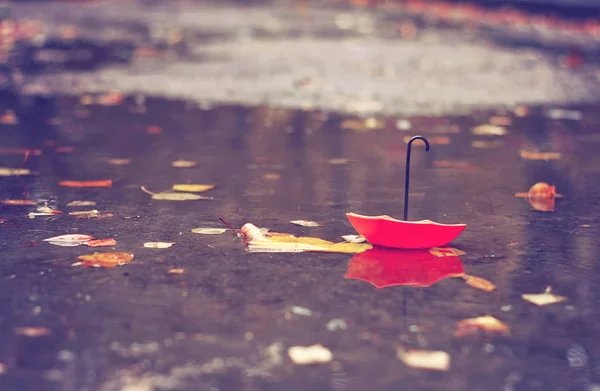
(408, 170)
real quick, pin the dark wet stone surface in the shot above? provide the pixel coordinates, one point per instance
(226, 323)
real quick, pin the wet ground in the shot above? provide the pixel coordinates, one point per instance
(227, 322)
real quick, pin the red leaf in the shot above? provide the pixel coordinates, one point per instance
(99, 183)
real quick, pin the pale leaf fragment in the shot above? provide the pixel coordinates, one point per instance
(32, 331)
(487, 323)
(536, 155)
(434, 360)
(314, 354)
(119, 162)
(184, 164)
(81, 203)
(209, 231)
(489, 130)
(479, 283)
(69, 240)
(542, 299)
(5, 171)
(305, 223)
(354, 238)
(167, 196)
(176, 271)
(193, 188)
(158, 244)
(84, 212)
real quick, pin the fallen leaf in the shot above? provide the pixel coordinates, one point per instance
(4, 171)
(64, 149)
(305, 223)
(81, 203)
(176, 271)
(437, 140)
(193, 188)
(98, 183)
(272, 176)
(2, 221)
(9, 118)
(337, 161)
(72, 240)
(315, 354)
(462, 166)
(167, 196)
(94, 216)
(354, 238)
(113, 98)
(105, 259)
(183, 164)
(44, 211)
(158, 244)
(586, 226)
(536, 155)
(446, 252)
(542, 299)
(284, 243)
(501, 120)
(487, 323)
(435, 360)
(32, 331)
(18, 202)
(101, 243)
(479, 283)
(209, 231)
(154, 130)
(489, 130)
(362, 125)
(119, 162)
(541, 196)
(87, 213)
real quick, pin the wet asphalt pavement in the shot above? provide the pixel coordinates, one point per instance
(226, 321)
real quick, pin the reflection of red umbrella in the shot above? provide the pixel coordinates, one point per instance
(389, 232)
(385, 267)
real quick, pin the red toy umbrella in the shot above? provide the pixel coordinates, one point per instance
(389, 232)
(385, 267)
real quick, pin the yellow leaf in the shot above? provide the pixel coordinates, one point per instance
(542, 299)
(167, 196)
(193, 188)
(434, 360)
(4, 171)
(479, 283)
(486, 323)
(184, 164)
(536, 155)
(105, 259)
(277, 243)
(489, 130)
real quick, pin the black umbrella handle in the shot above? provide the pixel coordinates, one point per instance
(408, 171)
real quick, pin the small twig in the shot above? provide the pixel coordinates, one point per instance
(238, 233)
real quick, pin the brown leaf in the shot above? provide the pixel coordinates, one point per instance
(105, 259)
(98, 183)
(81, 203)
(437, 140)
(119, 162)
(32, 331)
(305, 223)
(101, 243)
(487, 324)
(18, 202)
(94, 216)
(183, 164)
(272, 176)
(479, 283)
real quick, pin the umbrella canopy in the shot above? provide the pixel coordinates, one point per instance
(389, 232)
(385, 267)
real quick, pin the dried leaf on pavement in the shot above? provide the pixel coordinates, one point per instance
(487, 324)
(84, 212)
(176, 271)
(193, 188)
(119, 162)
(436, 140)
(272, 176)
(184, 164)
(154, 130)
(168, 196)
(209, 231)
(69, 240)
(314, 354)
(258, 241)
(435, 360)
(107, 260)
(18, 202)
(81, 203)
(98, 183)
(537, 155)
(354, 238)
(542, 299)
(109, 242)
(5, 171)
(479, 283)
(489, 130)
(158, 244)
(305, 223)
(32, 331)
